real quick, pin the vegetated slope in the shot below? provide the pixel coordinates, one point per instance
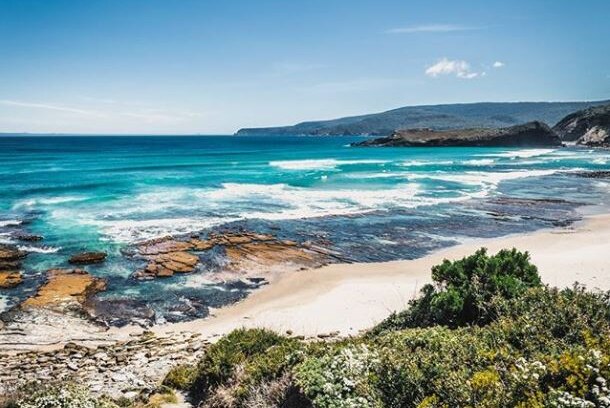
(532, 134)
(451, 116)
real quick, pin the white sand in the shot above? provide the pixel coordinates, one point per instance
(351, 297)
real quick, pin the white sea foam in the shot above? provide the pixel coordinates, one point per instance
(4, 304)
(10, 223)
(521, 154)
(319, 164)
(131, 230)
(417, 163)
(180, 210)
(34, 202)
(235, 201)
(480, 162)
(485, 179)
(39, 250)
(600, 161)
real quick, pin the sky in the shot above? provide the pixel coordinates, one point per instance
(211, 67)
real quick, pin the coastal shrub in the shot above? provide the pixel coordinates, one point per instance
(240, 361)
(463, 291)
(486, 334)
(62, 396)
(341, 379)
(550, 319)
(181, 377)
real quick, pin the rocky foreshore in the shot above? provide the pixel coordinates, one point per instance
(243, 255)
(119, 369)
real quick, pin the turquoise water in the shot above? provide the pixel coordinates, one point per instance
(105, 193)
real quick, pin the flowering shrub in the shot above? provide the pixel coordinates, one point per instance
(63, 397)
(340, 380)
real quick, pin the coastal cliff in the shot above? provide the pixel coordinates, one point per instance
(531, 134)
(590, 127)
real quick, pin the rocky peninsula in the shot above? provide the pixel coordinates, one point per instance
(531, 134)
(588, 127)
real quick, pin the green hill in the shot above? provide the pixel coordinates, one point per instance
(439, 117)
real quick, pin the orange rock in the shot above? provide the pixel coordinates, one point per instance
(10, 279)
(65, 288)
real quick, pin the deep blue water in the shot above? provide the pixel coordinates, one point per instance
(105, 193)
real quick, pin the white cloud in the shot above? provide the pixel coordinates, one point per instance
(151, 115)
(47, 106)
(445, 66)
(431, 28)
(498, 64)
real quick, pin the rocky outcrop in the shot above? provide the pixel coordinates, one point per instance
(24, 236)
(10, 257)
(590, 127)
(65, 289)
(87, 258)
(120, 369)
(532, 134)
(241, 253)
(10, 279)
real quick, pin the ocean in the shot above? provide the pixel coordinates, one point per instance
(368, 204)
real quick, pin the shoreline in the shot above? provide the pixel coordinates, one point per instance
(344, 299)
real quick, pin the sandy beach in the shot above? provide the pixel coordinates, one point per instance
(348, 298)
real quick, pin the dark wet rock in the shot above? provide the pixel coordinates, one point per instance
(23, 236)
(85, 258)
(187, 309)
(10, 257)
(532, 134)
(120, 312)
(590, 127)
(602, 174)
(10, 279)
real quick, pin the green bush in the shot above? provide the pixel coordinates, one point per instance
(240, 360)
(463, 291)
(485, 334)
(181, 377)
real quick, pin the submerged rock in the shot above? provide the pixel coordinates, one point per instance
(10, 279)
(531, 134)
(590, 127)
(85, 258)
(23, 236)
(120, 312)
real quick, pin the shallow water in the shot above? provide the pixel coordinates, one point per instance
(368, 204)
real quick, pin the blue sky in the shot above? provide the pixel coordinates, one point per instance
(186, 66)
